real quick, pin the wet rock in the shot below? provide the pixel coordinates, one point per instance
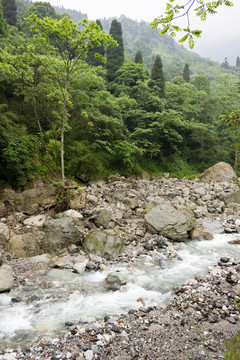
(200, 233)
(218, 173)
(24, 246)
(169, 222)
(59, 234)
(116, 278)
(103, 244)
(6, 278)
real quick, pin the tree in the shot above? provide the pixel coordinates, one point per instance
(92, 56)
(157, 76)
(238, 62)
(138, 57)
(225, 64)
(115, 55)
(69, 45)
(186, 73)
(175, 11)
(10, 11)
(42, 10)
(3, 28)
(128, 78)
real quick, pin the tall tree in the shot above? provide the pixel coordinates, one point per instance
(186, 73)
(115, 55)
(64, 46)
(225, 64)
(92, 57)
(157, 77)
(10, 11)
(2, 22)
(138, 57)
(238, 62)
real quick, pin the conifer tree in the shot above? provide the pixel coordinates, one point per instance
(10, 11)
(2, 22)
(186, 73)
(115, 55)
(91, 58)
(157, 77)
(138, 57)
(238, 62)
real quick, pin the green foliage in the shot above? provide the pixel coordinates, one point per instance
(16, 149)
(42, 10)
(3, 27)
(138, 57)
(115, 55)
(186, 73)
(157, 77)
(10, 11)
(95, 51)
(174, 11)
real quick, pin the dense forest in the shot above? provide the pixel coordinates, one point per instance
(83, 100)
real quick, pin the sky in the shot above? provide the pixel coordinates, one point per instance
(221, 32)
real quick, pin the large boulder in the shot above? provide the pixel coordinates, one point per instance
(6, 278)
(33, 200)
(59, 234)
(170, 222)
(104, 244)
(219, 172)
(23, 246)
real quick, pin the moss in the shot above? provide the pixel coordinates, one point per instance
(232, 348)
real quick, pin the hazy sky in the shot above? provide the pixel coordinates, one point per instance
(221, 32)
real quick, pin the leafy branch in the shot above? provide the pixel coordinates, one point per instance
(174, 12)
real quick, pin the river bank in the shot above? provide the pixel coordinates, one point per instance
(144, 225)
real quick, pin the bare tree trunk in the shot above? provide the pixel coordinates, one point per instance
(63, 130)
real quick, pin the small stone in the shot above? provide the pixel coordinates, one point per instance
(89, 355)
(231, 320)
(224, 259)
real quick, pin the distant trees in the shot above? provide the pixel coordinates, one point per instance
(238, 62)
(186, 73)
(225, 64)
(10, 11)
(138, 57)
(42, 10)
(157, 77)
(115, 55)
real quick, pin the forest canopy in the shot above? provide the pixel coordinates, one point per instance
(82, 102)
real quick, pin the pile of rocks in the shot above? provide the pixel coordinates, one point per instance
(122, 219)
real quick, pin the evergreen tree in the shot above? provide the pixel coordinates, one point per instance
(97, 49)
(138, 57)
(225, 64)
(115, 55)
(157, 77)
(186, 73)
(238, 62)
(2, 22)
(10, 11)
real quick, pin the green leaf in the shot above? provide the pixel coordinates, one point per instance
(184, 38)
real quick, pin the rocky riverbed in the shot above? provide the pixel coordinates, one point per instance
(124, 224)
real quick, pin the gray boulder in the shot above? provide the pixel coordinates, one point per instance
(103, 244)
(116, 278)
(6, 278)
(59, 234)
(219, 172)
(32, 200)
(167, 221)
(23, 246)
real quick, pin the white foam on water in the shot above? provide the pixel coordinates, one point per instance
(15, 318)
(146, 281)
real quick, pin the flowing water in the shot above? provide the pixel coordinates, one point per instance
(71, 297)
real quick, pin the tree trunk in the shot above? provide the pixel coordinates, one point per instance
(63, 130)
